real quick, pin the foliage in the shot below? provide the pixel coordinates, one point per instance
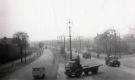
(41, 45)
(107, 42)
(129, 40)
(8, 50)
(110, 42)
(21, 39)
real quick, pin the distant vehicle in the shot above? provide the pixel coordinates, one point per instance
(38, 72)
(45, 47)
(98, 55)
(86, 55)
(112, 61)
(74, 68)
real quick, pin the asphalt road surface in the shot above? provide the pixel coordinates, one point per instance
(55, 69)
(46, 60)
(104, 73)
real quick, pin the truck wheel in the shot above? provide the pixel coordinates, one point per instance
(35, 77)
(43, 76)
(94, 71)
(86, 72)
(69, 75)
(110, 64)
(106, 62)
(119, 65)
(78, 73)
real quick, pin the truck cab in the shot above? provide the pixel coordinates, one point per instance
(73, 68)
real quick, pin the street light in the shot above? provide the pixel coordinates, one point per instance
(69, 25)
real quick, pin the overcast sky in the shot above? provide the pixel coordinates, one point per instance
(47, 19)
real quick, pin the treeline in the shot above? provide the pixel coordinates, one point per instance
(109, 42)
(14, 48)
(112, 43)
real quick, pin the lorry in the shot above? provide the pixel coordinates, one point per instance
(74, 68)
(112, 61)
(38, 72)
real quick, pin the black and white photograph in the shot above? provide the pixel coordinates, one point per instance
(67, 39)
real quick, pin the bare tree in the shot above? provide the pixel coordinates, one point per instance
(41, 45)
(21, 39)
(107, 42)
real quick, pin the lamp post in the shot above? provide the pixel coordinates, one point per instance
(69, 25)
(80, 44)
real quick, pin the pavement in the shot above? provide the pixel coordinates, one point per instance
(16, 61)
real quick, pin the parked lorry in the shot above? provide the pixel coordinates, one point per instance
(112, 61)
(38, 72)
(74, 68)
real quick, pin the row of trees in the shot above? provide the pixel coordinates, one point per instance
(110, 42)
(21, 39)
(14, 48)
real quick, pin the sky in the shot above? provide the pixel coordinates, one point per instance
(48, 19)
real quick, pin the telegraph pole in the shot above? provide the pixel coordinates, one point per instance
(80, 43)
(70, 39)
(115, 41)
(80, 48)
(64, 42)
(119, 45)
(65, 47)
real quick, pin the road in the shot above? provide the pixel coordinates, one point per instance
(25, 73)
(105, 72)
(55, 69)
(129, 61)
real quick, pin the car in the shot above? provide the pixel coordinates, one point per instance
(38, 72)
(86, 55)
(112, 61)
(45, 47)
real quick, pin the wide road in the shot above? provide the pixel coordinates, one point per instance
(105, 72)
(46, 60)
(55, 69)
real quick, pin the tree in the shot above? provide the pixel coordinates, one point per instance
(107, 42)
(129, 39)
(41, 45)
(63, 52)
(21, 39)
